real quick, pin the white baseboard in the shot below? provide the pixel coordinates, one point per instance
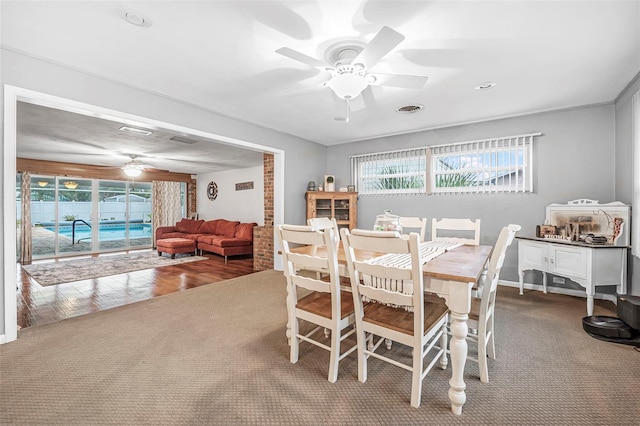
(560, 290)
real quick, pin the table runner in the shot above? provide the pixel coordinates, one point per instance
(427, 252)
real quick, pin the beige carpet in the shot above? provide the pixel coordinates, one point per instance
(70, 270)
(218, 355)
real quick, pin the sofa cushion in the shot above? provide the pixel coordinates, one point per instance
(245, 230)
(226, 228)
(209, 227)
(174, 235)
(221, 241)
(189, 226)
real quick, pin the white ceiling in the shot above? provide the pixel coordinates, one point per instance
(220, 56)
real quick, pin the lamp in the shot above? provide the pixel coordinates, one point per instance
(348, 81)
(42, 183)
(70, 184)
(132, 170)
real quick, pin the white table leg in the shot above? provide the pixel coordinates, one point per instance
(521, 276)
(458, 348)
(458, 298)
(589, 304)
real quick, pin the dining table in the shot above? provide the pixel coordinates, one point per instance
(452, 276)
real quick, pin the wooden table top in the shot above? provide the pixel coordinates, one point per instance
(464, 263)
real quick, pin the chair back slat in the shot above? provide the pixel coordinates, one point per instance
(300, 235)
(410, 222)
(465, 230)
(305, 261)
(310, 283)
(387, 297)
(384, 242)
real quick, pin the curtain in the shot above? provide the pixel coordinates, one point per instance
(25, 219)
(166, 204)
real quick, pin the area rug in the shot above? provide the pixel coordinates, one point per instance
(66, 271)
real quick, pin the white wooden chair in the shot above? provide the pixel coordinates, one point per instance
(465, 231)
(409, 223)
(481, 316)
(326, 306)
(322, 223)
(399, 312)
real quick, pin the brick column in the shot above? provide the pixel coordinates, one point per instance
(263, 235)
(192, 204)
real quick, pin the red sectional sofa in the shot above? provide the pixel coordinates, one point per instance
(220, 236)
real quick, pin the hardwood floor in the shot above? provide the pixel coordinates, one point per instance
(39, 305)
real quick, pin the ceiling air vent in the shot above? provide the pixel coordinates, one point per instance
(183, 140)
(409, 109)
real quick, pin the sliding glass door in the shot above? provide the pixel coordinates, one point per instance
(124, 215)
(88, 216)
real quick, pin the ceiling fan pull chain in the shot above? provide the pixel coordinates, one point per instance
(348, 111)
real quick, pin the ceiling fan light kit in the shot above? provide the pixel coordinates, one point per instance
(134, 168)
(132, 171)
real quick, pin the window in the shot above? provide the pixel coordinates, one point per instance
(397, 172)
(491, 165)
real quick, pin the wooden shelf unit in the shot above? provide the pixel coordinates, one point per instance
(343, 206)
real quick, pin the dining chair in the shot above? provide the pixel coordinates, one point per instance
(321, 302)
(414, 223)
(322, 223)
(482, 314)
(389, 302)
(465, 231)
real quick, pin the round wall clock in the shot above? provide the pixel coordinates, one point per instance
(212, 190)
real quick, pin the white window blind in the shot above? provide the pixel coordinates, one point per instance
(395, 172)
(503, 164)
(635, 208)
(490, 165)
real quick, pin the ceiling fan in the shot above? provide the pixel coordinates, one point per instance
(134, 168)
(350, 73)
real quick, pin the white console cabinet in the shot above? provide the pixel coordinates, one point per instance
(566, 255)
(587, 265)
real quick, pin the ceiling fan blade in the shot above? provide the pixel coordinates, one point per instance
(301, 57)
(380, 45)
(400, 80)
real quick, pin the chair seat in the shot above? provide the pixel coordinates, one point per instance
(399, 319)
(320, 304)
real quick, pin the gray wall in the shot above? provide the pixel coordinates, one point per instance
(624, 167)
(574, 159)
(41, 76)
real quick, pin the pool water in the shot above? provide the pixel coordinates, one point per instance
(106, 233)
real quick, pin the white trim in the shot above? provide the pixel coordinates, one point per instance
(560, 290)
(9, 231)
(635, 185)
(12, 95)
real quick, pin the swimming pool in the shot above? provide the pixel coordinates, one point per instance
(106, 232)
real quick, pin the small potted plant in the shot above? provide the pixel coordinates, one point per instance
(329, 183)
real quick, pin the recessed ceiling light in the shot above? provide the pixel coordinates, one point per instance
(136, 131)
(486, 85)
(409, 109)
(135, 18)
